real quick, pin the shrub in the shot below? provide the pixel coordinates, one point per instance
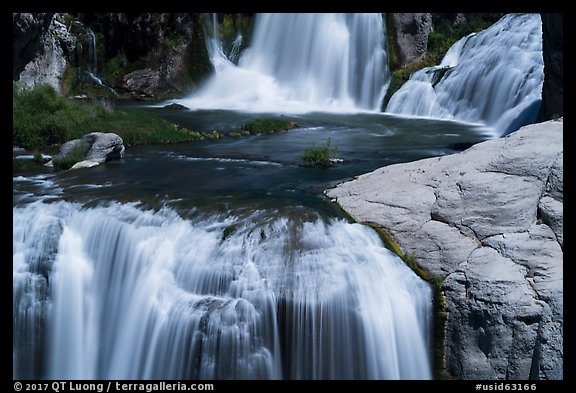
(319, 155)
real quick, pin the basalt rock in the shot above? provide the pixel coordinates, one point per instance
(489, 222)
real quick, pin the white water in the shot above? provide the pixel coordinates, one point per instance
(135, 294)
(493, 77)
(301, 63)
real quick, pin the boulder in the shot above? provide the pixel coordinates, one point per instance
(103, 146)
(99, 147)
(489, 222)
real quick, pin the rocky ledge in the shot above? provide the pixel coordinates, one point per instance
(488, 221)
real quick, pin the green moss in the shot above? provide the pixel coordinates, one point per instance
(115, 68)
(440, 313)
(229, 231)
(319, 155)
(392, 45)
(268, 126)
(76, 154)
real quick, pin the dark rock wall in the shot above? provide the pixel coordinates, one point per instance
(410, 35)
(146, 55)
(27, 32)
(553, 52)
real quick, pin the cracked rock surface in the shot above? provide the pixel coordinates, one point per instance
(489, 221)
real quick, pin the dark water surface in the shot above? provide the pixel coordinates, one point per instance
(245, 172)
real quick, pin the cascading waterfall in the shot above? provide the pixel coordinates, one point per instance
(302, 63)
(493, 77)
(218, 56)
(120, 293)
(91, 54)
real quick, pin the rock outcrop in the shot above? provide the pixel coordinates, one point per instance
(410, 35)
(99, 147)
(162, 54)
(42, 45)
(489, 222)
(142, 55)
(553, 52)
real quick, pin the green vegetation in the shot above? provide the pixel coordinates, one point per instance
(319, 155)
(76, 154)
(42, 118)
(440, 313)
(229, 231)
(267, 126)
(439, 41)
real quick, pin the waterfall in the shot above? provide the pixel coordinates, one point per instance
(493, 77)
(302, 63)
(93, 53)
(91, 57)
(117, 292)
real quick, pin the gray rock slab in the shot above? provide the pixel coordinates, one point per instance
(489, 221)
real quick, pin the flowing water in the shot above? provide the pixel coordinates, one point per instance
(301, 63)
(223, 260)
(493, 77)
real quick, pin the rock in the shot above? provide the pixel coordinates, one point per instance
(553, 53)
(489, 221)
(174, 107)
(103, 146)
(142, 82)
(552, 213)
(41, 50)
(169, 48)
(27, 42)
(85, 164)
(99, 147)
(410, 33)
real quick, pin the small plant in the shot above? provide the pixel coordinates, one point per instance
(319, 155)
(38, 158)
(76, 154)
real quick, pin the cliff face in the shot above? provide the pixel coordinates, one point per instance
(151, 54)
(489, 222)
(410, 35)
(140, 55)
(553, 52)
(410, 31)
(41, 48)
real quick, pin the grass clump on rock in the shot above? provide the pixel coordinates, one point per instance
(76, 154)
(322, 155)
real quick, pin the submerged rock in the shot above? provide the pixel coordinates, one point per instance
(174, 107)
(489, 222)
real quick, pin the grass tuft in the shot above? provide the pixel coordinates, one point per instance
(319, 155)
